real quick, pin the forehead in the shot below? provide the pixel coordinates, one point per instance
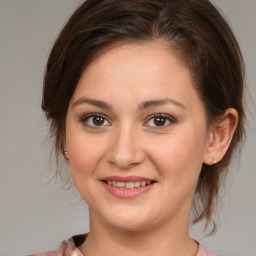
(147, 55)
(148, 69)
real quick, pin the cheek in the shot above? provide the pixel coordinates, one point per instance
(85, 151)
(85, 157)
(179, 157)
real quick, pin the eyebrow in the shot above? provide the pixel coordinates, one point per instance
(141, 106)
(153, 103)
(97, 103)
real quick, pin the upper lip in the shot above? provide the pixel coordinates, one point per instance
(126, 179)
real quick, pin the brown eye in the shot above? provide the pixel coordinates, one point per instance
(98, 120)
(159, 121)
(95, 120)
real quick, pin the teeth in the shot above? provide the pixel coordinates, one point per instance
(136, 184)
(120, 184)
(130, 184)
(143, 183)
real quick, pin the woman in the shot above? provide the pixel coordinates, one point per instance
(145, 103)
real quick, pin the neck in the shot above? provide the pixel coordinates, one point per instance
(168, 239)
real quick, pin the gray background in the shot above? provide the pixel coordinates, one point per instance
(35, 214)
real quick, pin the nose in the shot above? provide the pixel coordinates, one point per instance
(125, 149)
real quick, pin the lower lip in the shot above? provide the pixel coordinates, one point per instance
(127, 192)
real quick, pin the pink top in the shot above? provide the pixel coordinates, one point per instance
(69, 248)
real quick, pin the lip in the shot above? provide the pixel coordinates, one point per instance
(126, 179)
(126, 193)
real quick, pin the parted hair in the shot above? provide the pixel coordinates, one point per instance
(194, 29)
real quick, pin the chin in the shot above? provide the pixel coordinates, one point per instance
(131, 220)
(132, 226)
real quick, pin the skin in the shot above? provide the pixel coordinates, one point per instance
(127, 142)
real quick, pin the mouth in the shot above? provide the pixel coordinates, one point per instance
(127, 187)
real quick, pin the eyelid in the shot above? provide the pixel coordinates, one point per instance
(171, 119)
(85, 117)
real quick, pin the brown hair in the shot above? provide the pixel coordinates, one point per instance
(194, 29)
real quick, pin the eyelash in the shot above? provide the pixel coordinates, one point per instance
(85, 118)
(166, 117)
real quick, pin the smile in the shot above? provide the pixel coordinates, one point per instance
(130, 184)
(127, 187)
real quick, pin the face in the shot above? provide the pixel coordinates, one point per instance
(136, 136)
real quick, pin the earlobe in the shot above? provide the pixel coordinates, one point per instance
(220, 136)
(64, 149)
(65, 154)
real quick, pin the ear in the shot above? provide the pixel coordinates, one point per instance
(65, 154)
(65, 151)
(220, 136)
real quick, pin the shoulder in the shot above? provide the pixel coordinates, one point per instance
(203, 252)
(67, 248)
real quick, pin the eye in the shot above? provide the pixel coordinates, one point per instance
(95, 120)
(160, 121)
